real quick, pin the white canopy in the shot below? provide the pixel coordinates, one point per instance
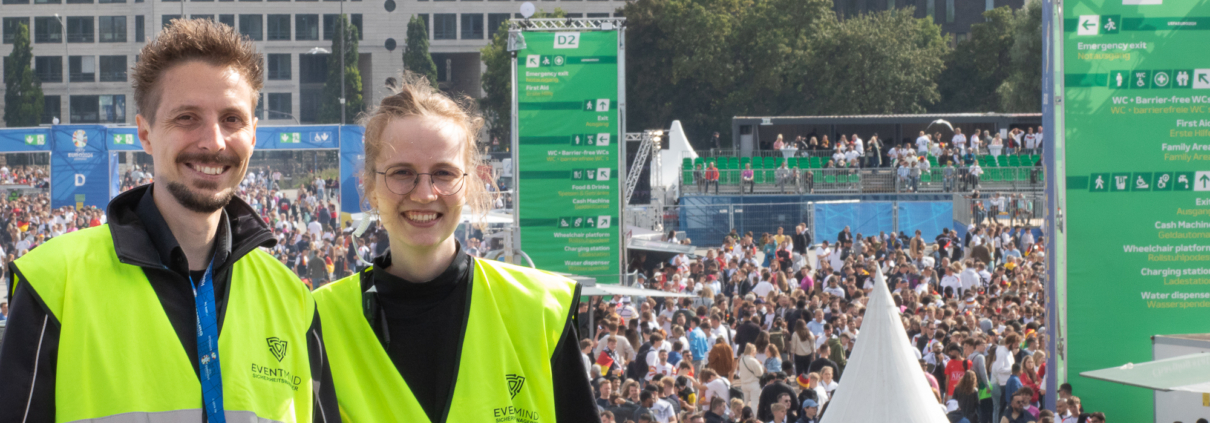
(598, 290)
(1188, 373)
(883, 381)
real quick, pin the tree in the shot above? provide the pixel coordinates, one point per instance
(416, 56)
(497, 103)
(877, 63)
(979, 65)
(681, 64)
(1022, 91)
(23, 99)
(343, 54)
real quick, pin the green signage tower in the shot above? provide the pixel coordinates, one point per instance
(1136, 146)
(569, 143)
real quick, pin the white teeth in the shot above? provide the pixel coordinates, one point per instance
(210, 170)
(421, 217)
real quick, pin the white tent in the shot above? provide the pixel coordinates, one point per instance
(670, 159)
(883, 381)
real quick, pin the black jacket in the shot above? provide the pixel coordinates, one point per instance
(801, 242)
(28, 357)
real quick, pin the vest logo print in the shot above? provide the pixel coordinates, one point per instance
(277, 347)
(515, 382)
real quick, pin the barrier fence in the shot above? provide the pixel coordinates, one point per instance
(874, 181)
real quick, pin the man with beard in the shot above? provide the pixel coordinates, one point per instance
(122, 321)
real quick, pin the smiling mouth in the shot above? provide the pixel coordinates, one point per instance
(421, 216)
(208, 169)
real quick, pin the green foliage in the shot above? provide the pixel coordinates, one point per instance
(416, 56)
(1022, 91)
(497, 105)
(343, 54)
(704, 61)
(877, 63)
(23, 99)
(977, 67)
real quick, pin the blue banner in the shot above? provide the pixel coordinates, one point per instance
(79, 166)
(125, 138)
(20, 140)
(352, 158)
(927, 217)
(115, 177)
(862, 218)
(297, 137)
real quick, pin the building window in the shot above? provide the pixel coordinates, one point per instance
(312, 68)
(206, 17)
(279, 27)
(428, 27)
(445, 26)
(113, 68)
(355, 20)
(494, 21)
(80, 29)
(279, 106)
(575, 15)
(306, 27)
(228, 20)
(113, 29)
(82, 68)
(930, 7)
(43, 2)
(279, 66)
(110, 1)
(48, 68)
(472, 26)
(140, 29)
(10, 28)
(260, 106)
(16, 1)
(167, 19)
(252, 26)
(79, 1)
(50, 109)
(329, 25)
(98, 109)
(949, 11)
(597, 15)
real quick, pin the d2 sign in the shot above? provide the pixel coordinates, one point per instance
(567, 40)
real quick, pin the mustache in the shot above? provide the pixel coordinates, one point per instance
(221, 158)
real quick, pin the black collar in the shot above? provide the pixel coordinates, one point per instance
(142, 237)
(393, 286)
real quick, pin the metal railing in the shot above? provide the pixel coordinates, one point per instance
(855, 180)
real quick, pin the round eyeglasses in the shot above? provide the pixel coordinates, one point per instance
(444, 182)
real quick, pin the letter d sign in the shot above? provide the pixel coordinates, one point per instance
(80, 180)
(567, 40)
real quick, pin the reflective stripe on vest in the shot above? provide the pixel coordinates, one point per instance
(120, 359)
(516, 318)
(176, 416)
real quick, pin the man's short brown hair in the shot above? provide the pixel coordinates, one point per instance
(193, 39)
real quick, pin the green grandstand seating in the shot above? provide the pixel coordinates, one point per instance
(687, 163)
(829, 178)
(816, 163)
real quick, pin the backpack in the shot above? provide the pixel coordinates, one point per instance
(638, 368)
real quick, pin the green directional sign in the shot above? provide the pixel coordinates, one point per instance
(1136, 108)
(569, 141)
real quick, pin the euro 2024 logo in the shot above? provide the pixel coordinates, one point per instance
(79, 138)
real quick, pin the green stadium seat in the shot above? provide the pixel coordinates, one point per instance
(687, 163)
(926, 177)
(686, 178)
(816, 163)
(829, 178)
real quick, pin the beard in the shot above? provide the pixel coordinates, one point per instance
(197, 202)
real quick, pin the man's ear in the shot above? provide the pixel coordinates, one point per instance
(144, 131)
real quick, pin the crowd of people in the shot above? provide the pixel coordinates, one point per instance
(772, 319)
(956, 160)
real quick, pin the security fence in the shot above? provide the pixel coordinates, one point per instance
(708, 224)
(853, 180)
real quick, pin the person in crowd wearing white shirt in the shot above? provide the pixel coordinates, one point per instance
(922, 143)
(660, 365)
(959, 141)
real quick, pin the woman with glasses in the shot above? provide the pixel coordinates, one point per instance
(429, 333)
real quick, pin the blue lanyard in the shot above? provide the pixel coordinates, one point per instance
(210, 373)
